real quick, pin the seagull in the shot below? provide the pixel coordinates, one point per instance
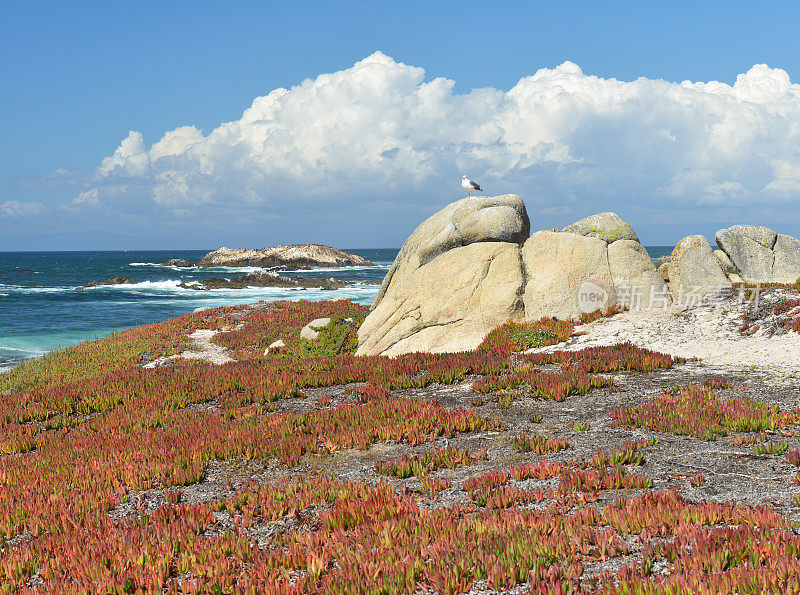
(470, 186)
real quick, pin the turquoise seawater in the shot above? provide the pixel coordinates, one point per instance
(40, 309)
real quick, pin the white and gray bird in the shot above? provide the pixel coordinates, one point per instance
(470, 186)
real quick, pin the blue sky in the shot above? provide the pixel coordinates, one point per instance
(78, 79)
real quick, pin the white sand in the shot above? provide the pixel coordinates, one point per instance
(709, 332)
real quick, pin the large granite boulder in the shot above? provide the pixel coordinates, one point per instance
(294, 256)
(472, 266)
(637, 281)
(497, 218)
(729, 237)
(786, 260)
(760, 255)
(749, 248)
(458, 276)
(557, 264)
(694, 270)
(597, 256)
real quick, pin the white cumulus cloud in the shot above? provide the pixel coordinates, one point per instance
(130, 158)
(380, 131)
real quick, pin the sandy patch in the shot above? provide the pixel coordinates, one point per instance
(203, 349)
(206, 350)
(709, 332)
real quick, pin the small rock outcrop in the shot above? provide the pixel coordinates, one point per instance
(759, 254)
(274, 346)
(458, 276)
(109, 281)
(312, 329)
(178, 262)
(294, 256)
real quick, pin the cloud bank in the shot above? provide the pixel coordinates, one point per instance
(380, 133)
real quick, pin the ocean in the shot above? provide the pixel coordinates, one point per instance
(40, 309)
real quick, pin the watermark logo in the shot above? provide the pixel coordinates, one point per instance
(594, 296)
(591, 297)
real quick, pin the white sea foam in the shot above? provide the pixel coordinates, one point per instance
(7, 352)
(19, 349)
(363, 294)
(168, 285)
(24, 290)
(232, 269)
(360, 292)
(196, 268)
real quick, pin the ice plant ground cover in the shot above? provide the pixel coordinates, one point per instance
(311, 470)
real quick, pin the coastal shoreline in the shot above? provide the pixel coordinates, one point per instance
(9, 363)
(41, 284)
